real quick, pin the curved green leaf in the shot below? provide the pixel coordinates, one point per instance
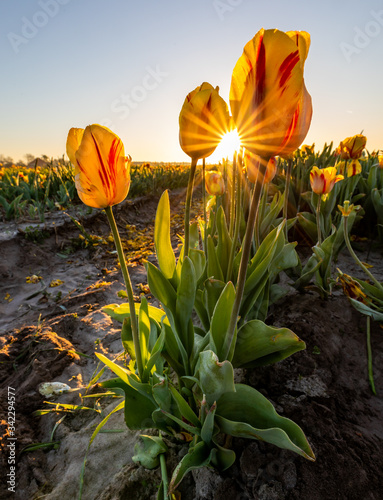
(221, 318)
(256, 340)
(162, 241)
(215, 378)
(247, 413)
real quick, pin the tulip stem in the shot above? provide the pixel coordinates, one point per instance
(204, 207)
(232, 208)
(237, 221)
(287, 189)
(129, 289)
(356, 258)
(369, 357)
(318, 221)
(187, 205)
(246, 248)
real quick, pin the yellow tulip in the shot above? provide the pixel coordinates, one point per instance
(252, 163)
(270, 105)
(214, 183)
(102, 172)
(352, 147)
(380, 159)
(305, 148)
(322, 180)
(203, 121)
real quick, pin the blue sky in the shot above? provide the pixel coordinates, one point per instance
(129, 65)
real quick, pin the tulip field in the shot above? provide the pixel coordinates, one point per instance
(199, 330)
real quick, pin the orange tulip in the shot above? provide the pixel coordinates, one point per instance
(323, 180)
(214, 183)
(270, 105)
(203, 120)
(252, 163)
(102, 172)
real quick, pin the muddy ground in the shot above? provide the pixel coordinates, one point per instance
(50, 333)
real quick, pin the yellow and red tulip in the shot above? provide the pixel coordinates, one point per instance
(214, 183)
(270, 105)
(352, 147)
(102, 171)
(353, 168)
(204, 119)
(323, 180)
(252, 163)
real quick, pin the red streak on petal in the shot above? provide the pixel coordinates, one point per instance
(287, 67)
(260, 73)
(104, 175)
(323, 177)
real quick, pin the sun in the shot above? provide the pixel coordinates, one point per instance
(230, 142)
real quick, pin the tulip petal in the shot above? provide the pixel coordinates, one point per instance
(266, 87)
(103, 176)
(73, 143)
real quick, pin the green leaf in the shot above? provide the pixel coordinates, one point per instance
(224, 241)
(366, 310)
(213, 267)
(122, 311)
(221, 318)
(164, 292)
(308, 225)
(264, 256)
(215, 378)
(138, 408)
(256, 340)
(185, 303)
(185, 409)
(208, 425)
(148, 450)
(246, 413)
(162, 242)
(144, 330)
(197, 456)
(211, 294)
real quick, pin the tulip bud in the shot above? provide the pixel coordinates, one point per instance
(252, 163)
(214, 183)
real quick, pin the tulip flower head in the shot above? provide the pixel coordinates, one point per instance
(380, 160)
(323, 180)
(353, 168)
(214, 183)
(306, 149)
(270, 104)
(252, 163)
(352, 147)
(203, 121)
(102, 172)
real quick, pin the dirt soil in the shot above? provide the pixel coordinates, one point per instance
(50, 333)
